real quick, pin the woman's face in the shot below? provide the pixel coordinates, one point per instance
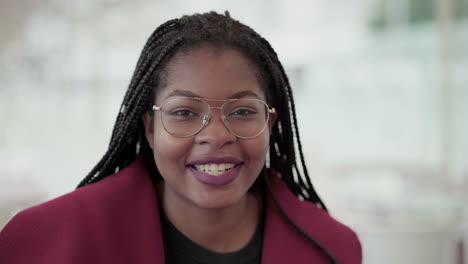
(184, 162)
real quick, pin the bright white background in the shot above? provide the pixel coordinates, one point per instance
(381, 89)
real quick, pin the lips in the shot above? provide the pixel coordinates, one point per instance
(215, 171)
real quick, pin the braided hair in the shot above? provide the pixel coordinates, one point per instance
(220, 31)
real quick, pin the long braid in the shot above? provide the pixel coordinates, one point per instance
(310, 193)
(127, 122)
(177, 35)
(155, 39)
(304, 187)
(310, 189)
(137, 77)
(294, 181)
(140, 76)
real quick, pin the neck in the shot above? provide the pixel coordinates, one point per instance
(236, 223)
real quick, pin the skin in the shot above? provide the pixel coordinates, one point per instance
(201, 211)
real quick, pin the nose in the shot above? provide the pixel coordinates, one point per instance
(215, 133)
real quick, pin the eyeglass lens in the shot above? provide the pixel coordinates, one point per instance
(185, 116)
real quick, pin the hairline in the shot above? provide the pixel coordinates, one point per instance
(217, 47)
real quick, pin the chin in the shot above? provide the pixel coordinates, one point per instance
(218, 201)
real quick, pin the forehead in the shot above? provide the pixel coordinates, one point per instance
(212, 73)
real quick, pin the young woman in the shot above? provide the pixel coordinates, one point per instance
(202, 166)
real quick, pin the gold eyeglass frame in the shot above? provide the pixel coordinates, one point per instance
(206, 119)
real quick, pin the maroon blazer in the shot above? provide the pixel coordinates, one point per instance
(116, 220)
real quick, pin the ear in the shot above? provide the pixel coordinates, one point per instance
(272, 121)
(149, 129)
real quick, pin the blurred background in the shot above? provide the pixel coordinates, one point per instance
(381, 88)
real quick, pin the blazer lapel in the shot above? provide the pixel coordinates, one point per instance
(282, 243)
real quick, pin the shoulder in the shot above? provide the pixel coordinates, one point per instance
(340, 240)
(85, 200)
(69, 220)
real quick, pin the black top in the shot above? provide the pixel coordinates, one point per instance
(179, 249)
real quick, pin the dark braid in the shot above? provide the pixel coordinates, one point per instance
(156, 38)
(217, 31)
(310, 194)
(129, 117)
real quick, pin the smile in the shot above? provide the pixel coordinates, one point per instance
(215, 169)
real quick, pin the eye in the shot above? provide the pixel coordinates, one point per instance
(243, 112)
(182, 113)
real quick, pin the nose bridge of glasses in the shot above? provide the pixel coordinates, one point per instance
(221, 121)
(207, 117)
(219, 108)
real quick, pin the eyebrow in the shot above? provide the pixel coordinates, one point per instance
(186, 93)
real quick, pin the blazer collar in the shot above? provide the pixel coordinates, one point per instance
(282, 243)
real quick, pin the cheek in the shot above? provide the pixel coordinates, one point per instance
(169, 152)
(257, 148)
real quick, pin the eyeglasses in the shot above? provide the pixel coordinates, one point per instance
(186, 116)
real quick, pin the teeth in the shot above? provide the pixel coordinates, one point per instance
(215, 169)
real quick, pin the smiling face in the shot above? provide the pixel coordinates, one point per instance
(214, 168)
